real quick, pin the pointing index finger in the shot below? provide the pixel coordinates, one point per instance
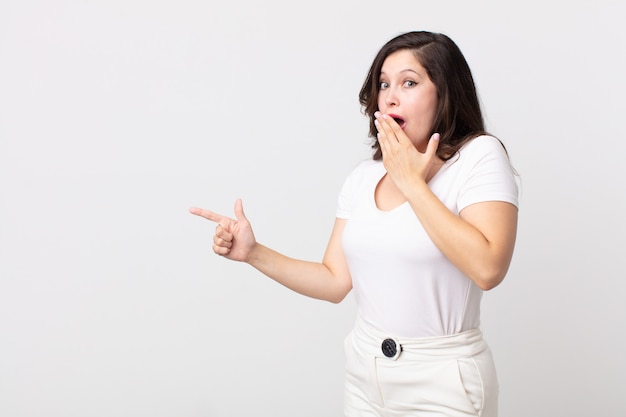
(207, 214)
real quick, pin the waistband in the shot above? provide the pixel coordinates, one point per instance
(372, 342)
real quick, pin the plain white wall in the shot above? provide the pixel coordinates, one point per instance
(116, 116)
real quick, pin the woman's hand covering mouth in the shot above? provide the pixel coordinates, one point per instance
(399, 120)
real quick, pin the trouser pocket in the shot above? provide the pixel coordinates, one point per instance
(471, 382)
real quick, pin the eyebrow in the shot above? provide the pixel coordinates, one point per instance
(405, 70)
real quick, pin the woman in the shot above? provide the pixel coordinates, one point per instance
(421, 231)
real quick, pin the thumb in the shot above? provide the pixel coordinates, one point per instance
(239, 214)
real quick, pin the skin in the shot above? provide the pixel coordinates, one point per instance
(479, 241)
(328, 280)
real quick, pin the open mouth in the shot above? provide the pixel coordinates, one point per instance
(399, 120)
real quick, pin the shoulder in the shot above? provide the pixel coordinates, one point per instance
(362, 174)
(367, 165)
(364, 169)
(484, 144)
(358, 179)
(484, 149)
(487, 173)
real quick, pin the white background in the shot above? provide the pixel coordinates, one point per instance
(117, 116)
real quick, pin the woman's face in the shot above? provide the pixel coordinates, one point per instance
(408, 95)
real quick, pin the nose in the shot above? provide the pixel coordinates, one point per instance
(391, 97)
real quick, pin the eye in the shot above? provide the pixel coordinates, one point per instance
(410, 83)
(384, 85)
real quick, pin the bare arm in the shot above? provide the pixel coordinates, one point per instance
(480, 240)
(327, 280)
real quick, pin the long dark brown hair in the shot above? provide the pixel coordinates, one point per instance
(458, 118)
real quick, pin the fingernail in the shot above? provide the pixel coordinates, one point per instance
(377, 114)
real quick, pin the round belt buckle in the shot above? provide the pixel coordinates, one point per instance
(391, 348)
